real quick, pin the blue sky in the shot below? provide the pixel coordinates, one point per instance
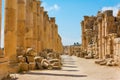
(69, 14)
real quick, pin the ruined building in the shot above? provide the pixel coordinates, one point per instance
(27, 25)
(101, 35)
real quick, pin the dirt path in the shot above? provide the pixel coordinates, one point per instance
(74, 69)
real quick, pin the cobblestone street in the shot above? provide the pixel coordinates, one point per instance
(74, 69)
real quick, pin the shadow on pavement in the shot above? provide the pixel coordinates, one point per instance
(52, 74)
(69, 70)
(70, 66)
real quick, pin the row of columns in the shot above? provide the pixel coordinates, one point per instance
(27, 25)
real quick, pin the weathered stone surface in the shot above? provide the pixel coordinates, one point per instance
(23, 67)
(31, 65)
(21, 59)
(10, 29)
(100, 35)
(21, 19)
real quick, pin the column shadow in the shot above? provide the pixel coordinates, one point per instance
(53, 74)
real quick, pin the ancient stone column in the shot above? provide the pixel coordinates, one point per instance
(47, 32)
(50, 34)
(35, 30)
(52, 20)
(21, 18)
(100, 37)
(41, 27)
(45, 29)
(56, 37)
(109, 21)
(29, 24)
(38, 27)
(10, 37)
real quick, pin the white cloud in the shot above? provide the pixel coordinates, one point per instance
(114, 8)
(52, 8)
(55, 7)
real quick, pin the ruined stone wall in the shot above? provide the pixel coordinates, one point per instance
(104, 34)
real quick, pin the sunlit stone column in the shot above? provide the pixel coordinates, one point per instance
(100, 37)
(47, 32)
(35, 30)
(38, 27)
(52, 21)
(50, 33)
(56, 37)
(29, 24)
(45, 29)
(10, 41)
(41, 27)
(21, 15)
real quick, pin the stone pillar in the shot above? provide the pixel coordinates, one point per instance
(56, 37)
(103, 37)
(100, 37)
(41, 27)
(35, 30)
(50, 34)
(108, 24)
(47, 32)
(21, 18)
(38, 27)
(10, 41)
(45, 29)
(53, 32)
(29, 24)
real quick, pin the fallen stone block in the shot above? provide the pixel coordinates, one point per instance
(56, 65)
(38, 59)
(31, 52)
(99, 61)
(21, 59)
(103, 63)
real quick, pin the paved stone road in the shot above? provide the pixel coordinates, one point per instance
(74, 69)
